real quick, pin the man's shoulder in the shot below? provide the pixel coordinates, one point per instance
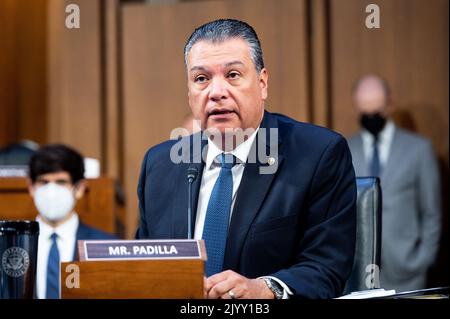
(354, 137)
(183, 149)
(161, 148)
(412, 138)
(291, 128)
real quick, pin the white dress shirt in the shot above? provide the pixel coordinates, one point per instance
(385, 138)
(211, 173)
(67, 233)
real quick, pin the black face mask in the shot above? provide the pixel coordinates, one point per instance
(374, 123)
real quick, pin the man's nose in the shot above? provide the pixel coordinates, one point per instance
(218, 90)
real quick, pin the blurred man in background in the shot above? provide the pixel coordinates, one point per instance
(56, 182)
(408, 170)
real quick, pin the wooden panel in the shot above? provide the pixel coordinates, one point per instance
(8, 118)
(320, 75)
(22, 71)
(74, 78)
(31, 70)
(410, 50)
(154, 80)
(96, 208)
(158, 279)
(113, 133)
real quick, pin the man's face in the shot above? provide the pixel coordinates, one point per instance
(225, 91)
(60, 178)
(370, 97)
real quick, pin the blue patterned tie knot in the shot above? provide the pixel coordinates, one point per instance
(226, 160)
(217, 218)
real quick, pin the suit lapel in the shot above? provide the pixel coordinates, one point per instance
(180, 204)
(359, 161)
(395, 156)
(250, 196)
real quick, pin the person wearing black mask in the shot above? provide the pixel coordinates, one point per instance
(407, 167)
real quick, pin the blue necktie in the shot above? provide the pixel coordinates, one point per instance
(215, 230)
(53, 270)
(375, 163)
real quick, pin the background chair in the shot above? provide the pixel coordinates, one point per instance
(366, 266)
(18, 153)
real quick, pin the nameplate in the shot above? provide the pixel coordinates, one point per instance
(90, 250)
(13, 171)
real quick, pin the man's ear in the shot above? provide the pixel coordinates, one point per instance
(30, 187)
(80, 188)
(263, 82)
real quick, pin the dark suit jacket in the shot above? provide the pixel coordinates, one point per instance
(298, 224)
(85, 232)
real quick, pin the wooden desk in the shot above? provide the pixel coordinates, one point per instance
(135, 279)
(97, 208)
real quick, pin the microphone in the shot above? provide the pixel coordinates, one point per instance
(192, 173)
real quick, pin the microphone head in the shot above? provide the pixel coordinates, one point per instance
(192, 173)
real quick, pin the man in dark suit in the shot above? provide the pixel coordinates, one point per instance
(56, 182)
(275, 199)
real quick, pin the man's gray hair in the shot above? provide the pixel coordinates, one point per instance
(224, 29)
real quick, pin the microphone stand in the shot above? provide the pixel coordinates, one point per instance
(191, 176)
(190, 180)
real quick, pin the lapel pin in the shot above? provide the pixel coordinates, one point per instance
(271, 161)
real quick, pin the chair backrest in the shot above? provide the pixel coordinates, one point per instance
(366, 265)
(18, 154)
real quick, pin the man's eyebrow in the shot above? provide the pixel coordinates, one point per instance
(62, 180)
(233, 63)
(226, 65)
(198, 68)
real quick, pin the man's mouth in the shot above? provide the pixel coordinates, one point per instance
(220, 112)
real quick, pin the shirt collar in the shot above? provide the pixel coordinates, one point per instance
(385, 135)
(65, 231)
(241, 152)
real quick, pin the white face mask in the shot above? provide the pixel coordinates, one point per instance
(53, 201)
